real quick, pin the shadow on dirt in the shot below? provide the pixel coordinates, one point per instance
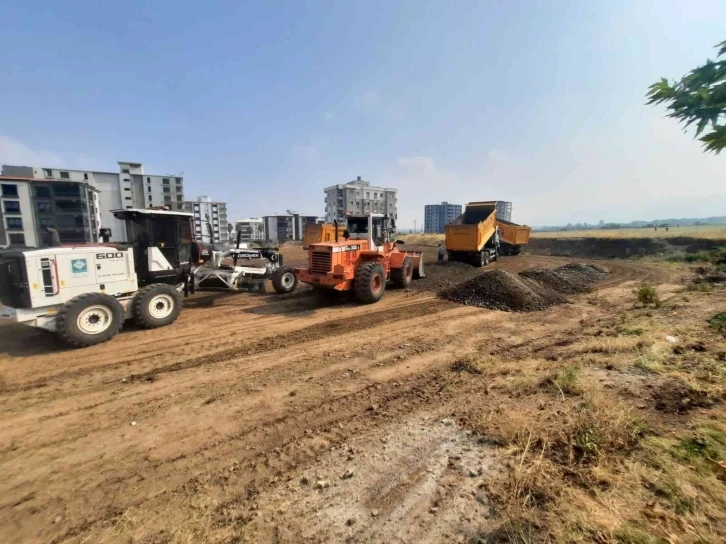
(23, 341)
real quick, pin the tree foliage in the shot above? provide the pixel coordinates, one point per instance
(700, 98)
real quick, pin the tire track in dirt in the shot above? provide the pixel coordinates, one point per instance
(269, 343)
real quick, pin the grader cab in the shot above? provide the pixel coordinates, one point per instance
(363, 261)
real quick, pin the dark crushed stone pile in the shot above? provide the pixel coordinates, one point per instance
(569, 279)
(526, 292)
(443, 276)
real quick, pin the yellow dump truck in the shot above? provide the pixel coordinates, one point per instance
(471, 236)
(512, 237)
(316, 233)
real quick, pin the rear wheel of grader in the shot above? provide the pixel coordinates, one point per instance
(156, 305)
(402, 277)
(369, 283)
(284, 280)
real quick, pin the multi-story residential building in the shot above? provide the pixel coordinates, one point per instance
(128, 188)
(359, 197)
(209, 215)
(288, 226)
(504, 210)
(252, 229)
(437, 216)
(30, 206)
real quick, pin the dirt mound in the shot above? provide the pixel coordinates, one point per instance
(528, 291)
(676, 396)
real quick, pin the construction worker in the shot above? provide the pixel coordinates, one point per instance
(442, 253)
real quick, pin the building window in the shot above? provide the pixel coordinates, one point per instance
(165, 181)
(17, 239)
(148, 180)
(148, 187)
(9, 190)
(12, 206)
(65, 175)
(45, 207)
(15, 223)
(85, 177)
(178, 181)
(167, 198)
(125, 171)
(166, 189)
(127, 189)
(46, 221)
(42, 192)
(368, 195)
(127, 198)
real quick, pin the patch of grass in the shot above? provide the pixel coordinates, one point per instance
(467, 364)
(566, 379)
(632, 331)
(703, 449)
(718, 322)
(632, 533)
(669, 491)
(700, 286)
(698, 257)
(647, 295)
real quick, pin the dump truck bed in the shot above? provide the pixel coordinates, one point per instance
(472, 229)
(511, 233)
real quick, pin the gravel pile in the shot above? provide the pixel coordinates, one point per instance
(569, 279)
(526, 292)
(443, 276)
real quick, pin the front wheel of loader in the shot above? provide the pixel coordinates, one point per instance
(284, 280)
(89, 319)
(156, 305)
(402, 277)
(369, 283)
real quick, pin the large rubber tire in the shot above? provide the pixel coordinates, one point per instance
(89, 319)
(484, 258)
(284, 280)
(516, 250)
(402, 277)
(370, 283)
(156, 305)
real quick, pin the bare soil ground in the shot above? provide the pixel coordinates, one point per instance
(265, 418)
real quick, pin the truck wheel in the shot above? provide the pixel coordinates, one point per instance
(284, 280)
(402, 277)
(369, 283)
(156, 305)
(516, 250)
(89, 319)
(483, 258)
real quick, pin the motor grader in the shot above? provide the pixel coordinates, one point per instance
(363, 262)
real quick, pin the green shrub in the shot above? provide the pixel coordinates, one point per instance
(698, 257)
(647, 295)
(718, 322)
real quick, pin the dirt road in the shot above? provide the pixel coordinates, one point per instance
(263, 418)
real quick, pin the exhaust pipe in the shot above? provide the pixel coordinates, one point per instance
(54, 237)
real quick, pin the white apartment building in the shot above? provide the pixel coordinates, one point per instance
(128, 188)
(359, 197)
(209, 213)
(252, 229)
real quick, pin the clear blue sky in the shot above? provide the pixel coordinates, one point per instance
(265, 103)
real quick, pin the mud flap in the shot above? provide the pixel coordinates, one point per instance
(418, 265)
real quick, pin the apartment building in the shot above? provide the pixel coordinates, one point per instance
(130, 187)
(287, 226)
(437, 216)
(251, 229)
(29, 206)
(209, 215)
(359, 197)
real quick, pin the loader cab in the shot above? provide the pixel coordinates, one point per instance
(163, 244)
(372, 227)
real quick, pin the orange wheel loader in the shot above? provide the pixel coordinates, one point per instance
(363, 261)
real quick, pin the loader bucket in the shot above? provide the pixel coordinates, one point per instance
(418, 266)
